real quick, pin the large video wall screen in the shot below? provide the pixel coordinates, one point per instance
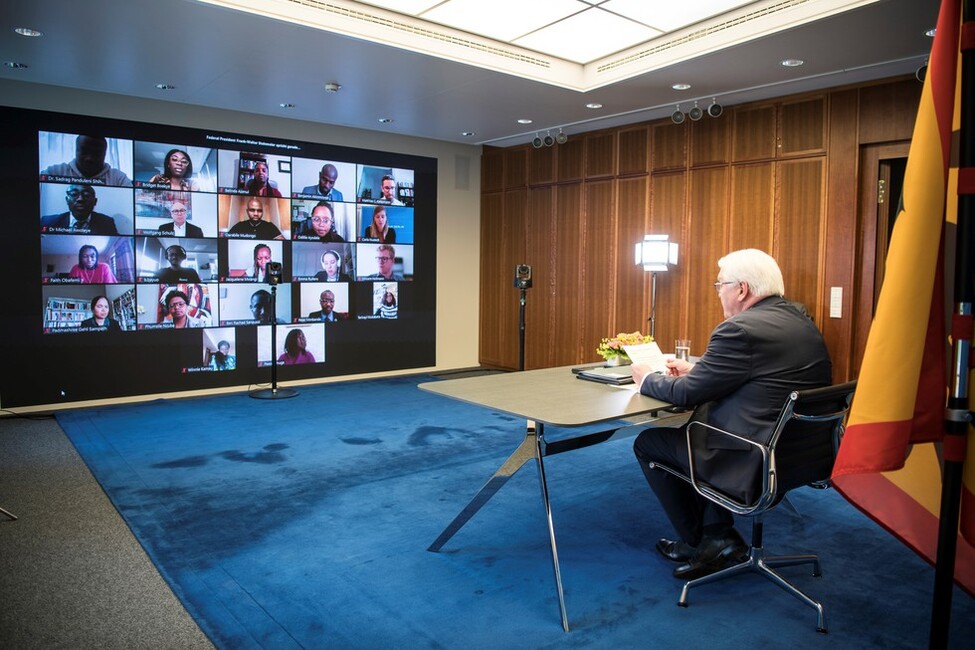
(152, 258)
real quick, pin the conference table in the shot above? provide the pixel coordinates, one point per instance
(550, 396)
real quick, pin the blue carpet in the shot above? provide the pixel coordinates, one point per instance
(303, 523)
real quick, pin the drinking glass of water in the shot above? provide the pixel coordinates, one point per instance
(682, 349)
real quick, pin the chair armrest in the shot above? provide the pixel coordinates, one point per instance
(720, 497)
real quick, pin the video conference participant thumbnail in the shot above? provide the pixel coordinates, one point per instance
(88, 308)
(330, 180)
(175, 167)
(385, 185)
(380, 302)
(296, 345)
(90, 209)
(323, 302)
(92, 159)
(385, 224)
(241, 217)
(384, 262)
(87, 259)
(323, 221)
(172, 260)
(250, 304)
(253, 174)
(313, 262)
(176, 306)
(220, 348)
(246, 261)
(180, 214)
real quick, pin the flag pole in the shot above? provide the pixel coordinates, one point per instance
(958, 415)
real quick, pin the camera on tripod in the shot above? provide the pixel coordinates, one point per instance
(523, 277)
(273, 275)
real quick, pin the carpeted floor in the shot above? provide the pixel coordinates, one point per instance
(304, 523)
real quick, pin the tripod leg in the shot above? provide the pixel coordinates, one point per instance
(12, 518)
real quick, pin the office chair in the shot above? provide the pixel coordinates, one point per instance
(799, 450)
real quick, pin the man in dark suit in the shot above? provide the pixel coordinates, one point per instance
(765, 348)
(327, 313)
(178, 226)
(81, 215)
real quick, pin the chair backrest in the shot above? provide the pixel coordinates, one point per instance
(804, 443)
(799, 450)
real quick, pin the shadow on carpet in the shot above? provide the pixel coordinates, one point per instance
(304, 523)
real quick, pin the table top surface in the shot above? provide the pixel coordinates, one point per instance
(550, 395)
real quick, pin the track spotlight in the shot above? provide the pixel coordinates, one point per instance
(561, 138)
(548, 140)
(537, 142)
(715, 109)
(921, 72)
(695, 113)
(677, 117)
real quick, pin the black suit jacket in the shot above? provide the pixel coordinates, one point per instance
(98, 223)
(752, 362)
(191, 230)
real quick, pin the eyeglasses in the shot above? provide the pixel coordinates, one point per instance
(321, 220)
(178, 210)
(173, 305)
(76, 193)
(383, 258)
(719, 284)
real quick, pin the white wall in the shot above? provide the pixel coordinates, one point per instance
(458, 194)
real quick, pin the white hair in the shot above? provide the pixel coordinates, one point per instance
(757, 268)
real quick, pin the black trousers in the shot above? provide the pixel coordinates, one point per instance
(688, 511)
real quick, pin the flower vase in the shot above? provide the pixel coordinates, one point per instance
(616, 361)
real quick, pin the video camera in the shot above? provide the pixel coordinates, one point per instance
(523, 277)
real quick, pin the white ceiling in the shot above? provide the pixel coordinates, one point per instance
(426, 67)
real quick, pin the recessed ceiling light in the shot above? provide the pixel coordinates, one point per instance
(792, 63)
(27, 31)
(468, 134)
(385, 120)
(16, 65)
(286, 105)
(681, 86)
(594, 105)
(931, 32)
(165, 86)
(524, 120)
(332, 87)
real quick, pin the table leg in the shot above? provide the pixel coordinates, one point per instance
(530, 447)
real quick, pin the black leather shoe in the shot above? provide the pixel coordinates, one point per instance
(675, 550)
(714, 554)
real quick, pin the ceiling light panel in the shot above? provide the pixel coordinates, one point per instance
(503, 20)
(572, 38)
(669, 16)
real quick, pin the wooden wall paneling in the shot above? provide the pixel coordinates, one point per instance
(840, 249)
(754, 133)
(632, 222)
(571, 160)
(540, 254)
(569, 239)
(888, 111)
(516, 167)
(599, 263)
(752, 207)
(493, 244)
(541, 165)
(707, 241)
(802, 126)
(668, 196)
(799, 229)
(492, 169)
(668, 147)
(634, 151)
(710, 141)
(600, 154)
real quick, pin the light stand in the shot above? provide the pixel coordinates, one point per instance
(273, 279)
(655, 253)
(523, 282)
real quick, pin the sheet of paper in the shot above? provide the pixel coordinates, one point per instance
(648, 354)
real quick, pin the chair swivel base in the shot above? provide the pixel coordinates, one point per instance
(758, 563)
